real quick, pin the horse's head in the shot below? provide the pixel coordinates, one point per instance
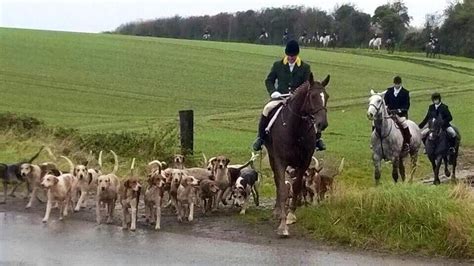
(435, 126)
(376, 105)
(315, 102)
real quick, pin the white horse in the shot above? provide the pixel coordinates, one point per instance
(375, 43)
(326, 40)
(387, 139)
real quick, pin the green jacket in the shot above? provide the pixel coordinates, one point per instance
(287, 80)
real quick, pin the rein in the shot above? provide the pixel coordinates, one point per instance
(379, 134)
(308, 117)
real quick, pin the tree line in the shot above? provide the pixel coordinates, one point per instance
(354, 28)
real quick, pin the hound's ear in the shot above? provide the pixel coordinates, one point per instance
(213, 160)
(55, 180)
(90, 178)
(126, 183)
(372, 92)
(227, 161)
(325, 82)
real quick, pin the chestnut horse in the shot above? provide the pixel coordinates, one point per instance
(292, 142)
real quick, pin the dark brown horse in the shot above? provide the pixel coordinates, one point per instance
(292, 141)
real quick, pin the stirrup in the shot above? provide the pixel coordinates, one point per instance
(320, 146)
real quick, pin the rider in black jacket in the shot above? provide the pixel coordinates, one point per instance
(397, 100)
(439, 109)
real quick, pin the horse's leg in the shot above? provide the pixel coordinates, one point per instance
(437, 165)
(395, 164)
(279, 172)
(446, 166)
(377, 165)
(401, 169)
(454, 163)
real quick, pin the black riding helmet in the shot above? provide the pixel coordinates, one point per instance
(397, 80)
(435, 96)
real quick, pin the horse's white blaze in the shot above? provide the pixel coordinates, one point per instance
(374, 101)
(322, 98)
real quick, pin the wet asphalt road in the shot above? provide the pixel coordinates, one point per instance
(25, 240)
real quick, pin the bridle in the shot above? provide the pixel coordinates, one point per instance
(434, 133)
(309, 117)
(381, 137)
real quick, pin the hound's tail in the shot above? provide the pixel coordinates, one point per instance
(36, 155)
(250, 162)
(100, 160)
(116, 165)
(132, 167)
(341, 166)
(71, 165)
(158, 163)
(316, 164)
(205, 160)
(51, 154)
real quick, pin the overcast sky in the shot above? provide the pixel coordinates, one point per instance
(102, 15)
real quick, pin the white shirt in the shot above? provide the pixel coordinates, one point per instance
(292, 66)
(396, 91)
(437, 105)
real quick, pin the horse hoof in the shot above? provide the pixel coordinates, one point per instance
(283, 232)
(447, 174)
(290, 218)
(436, 182)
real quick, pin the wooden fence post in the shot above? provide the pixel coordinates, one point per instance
(186, 129)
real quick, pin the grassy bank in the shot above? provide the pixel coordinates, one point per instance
(403, 218)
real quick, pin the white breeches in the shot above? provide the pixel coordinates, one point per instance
(450, 130)
(270, 106)
(402, 121)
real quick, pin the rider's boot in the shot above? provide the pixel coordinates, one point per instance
(406, 138)
(257, 145)
(320, 146)
(423, 139)
(453, 143)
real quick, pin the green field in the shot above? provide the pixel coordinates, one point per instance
(99, 82)
(110, 83)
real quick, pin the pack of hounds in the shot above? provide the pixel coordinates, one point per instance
(212, 186)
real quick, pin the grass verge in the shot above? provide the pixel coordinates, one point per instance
(431, 220)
